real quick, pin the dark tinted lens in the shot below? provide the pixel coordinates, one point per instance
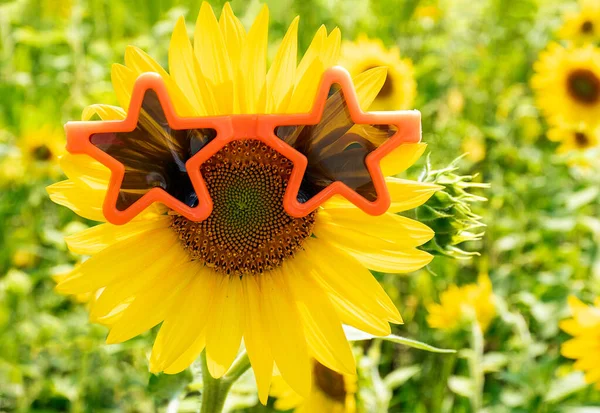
(154, 155)
(336, 148)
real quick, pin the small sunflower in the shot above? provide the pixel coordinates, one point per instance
(40, 150)
(330, 392)
(585, 344)
(582, 26)
(399, 89)
(285, 285)
(459, 305)
(567, 84)
(575, 138)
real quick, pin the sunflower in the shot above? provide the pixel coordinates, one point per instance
(40, 150)
(399, 89)
(585, 344)
(578, 138)
(567, 84)
(331, 392)
(459, 305)
(285, 285)
(582, 26)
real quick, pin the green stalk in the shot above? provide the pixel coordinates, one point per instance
(214, 391)
(475, 367)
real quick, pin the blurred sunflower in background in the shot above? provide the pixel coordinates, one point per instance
(583, 25)
(461, 305)
(584, 347)
(567, 84)
(286, 296)
(40, 151)
(399, 90)
(331, 392)
(34, 155)
(579, 137)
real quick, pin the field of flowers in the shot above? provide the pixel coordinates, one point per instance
(505, 318)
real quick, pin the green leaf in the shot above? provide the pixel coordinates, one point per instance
(354, 334)
(494, 361)
(463, 386)
(565, 386)
(400, 376)
(168, 386)
(578, 199)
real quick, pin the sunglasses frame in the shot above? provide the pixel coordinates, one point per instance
(238, 127)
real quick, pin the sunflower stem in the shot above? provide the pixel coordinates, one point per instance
(214, 392)
(475, 366)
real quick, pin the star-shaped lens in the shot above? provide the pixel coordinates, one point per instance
(147, 153)
(343, 147)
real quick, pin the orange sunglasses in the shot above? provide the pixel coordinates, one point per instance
(156, 156)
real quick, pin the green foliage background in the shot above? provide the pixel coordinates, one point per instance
(543, 226)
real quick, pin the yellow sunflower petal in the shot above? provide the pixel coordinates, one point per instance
(188, 356)
(574, 348)
(358, 285)
(285, 332)
(570, 326)
(253, 62)
(314, 51)
(587, 361)
(255, 339)
(85, 202)
(393, 262)
(210, 47)
(185, 322)
(211, 52)
(310, 69)
(140, 62)
(401, 158)
(303, 97)
(406, 194)
(151, 306)
(225, 326)
(123, 79)
(593, 375)
(356, 316)
(368, 84)
(117, 261)
(332, 48)
(83, 170)
(234, 34)
(350, 312)
(323, 328)
(184, 67)
(104, 112)
(352, 228)
(95, 239)
(282, 73)
(121, 291)
(576, 304)
(286, 398)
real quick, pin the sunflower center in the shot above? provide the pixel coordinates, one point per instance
(584, 86)
(587, 27)
(388, 86)
(41, 153)
(329, 382)
(581, 140)
(248, 231)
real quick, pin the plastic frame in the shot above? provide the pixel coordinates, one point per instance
(239, 127)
